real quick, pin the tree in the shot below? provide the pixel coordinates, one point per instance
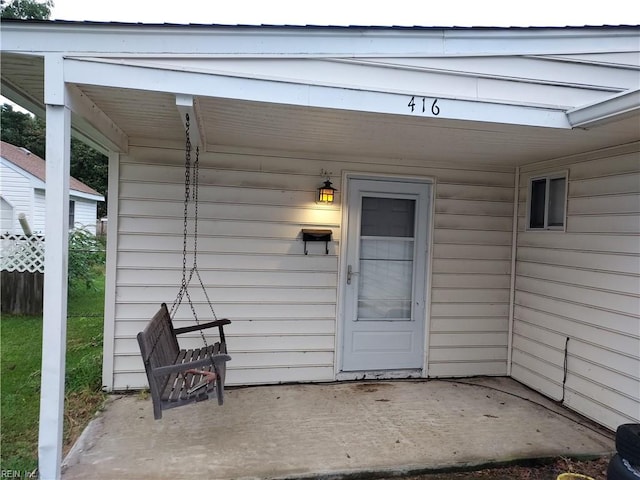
(90, 167)
(22, 130)
(26, 9)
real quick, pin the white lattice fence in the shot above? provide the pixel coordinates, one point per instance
(19, 253)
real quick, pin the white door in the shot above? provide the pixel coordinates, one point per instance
(386, 265)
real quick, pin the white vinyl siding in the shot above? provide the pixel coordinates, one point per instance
(6, 216)
(86, 213)
(584, 285)
(251, 258)
(17, 190)
(284, 304)
(468, 330)
(39, 207)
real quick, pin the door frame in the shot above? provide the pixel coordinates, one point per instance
(342, 278)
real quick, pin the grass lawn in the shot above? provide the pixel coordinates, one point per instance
(20, 363)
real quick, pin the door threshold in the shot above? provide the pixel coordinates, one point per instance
(379, 374)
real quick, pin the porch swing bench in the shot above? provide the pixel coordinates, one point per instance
(180, 376)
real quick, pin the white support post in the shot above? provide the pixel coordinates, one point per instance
(514, 258)
(111, 270)
(54, 331)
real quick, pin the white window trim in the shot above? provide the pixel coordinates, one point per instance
(548, 177)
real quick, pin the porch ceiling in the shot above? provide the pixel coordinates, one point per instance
(151, 118)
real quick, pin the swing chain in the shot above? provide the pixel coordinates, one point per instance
(191, 175)
(187, 187)
(196, 183)
(196, 173)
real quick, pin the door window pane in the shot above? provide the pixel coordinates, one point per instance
(386, 259)
(387, 217)
(386, 279)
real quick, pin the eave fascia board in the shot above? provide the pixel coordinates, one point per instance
(238, 41)
(80, 127)
(19, 97)
(89, 136)
(617, 107)
(85, 196)
(288, 93)
(92, 121)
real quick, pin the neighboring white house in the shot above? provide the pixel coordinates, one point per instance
(487, 215)
(22, 190)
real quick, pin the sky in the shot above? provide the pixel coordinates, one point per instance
(441, 13)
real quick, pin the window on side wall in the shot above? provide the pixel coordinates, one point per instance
(72, 214)
(547, 202)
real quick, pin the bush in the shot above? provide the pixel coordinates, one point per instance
(87, 374)
(86, 258)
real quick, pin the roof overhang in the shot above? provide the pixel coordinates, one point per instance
(86, 196)
(619, 107)
(495, 95)
(89, 124)
(272, 41)
(115, 75)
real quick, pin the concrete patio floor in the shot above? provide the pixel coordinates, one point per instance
(348, 429)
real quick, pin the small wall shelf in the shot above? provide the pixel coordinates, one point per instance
(312, 235)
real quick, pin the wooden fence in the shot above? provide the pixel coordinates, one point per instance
(21, 292)
(22, 274)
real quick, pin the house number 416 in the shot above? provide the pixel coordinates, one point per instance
(434, 106)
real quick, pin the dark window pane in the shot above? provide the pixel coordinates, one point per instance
(536, 214)
(72, 214)
(387, 217)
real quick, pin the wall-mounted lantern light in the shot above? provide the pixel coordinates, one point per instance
(326, 193)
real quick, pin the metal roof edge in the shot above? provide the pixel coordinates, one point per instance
(306, 26)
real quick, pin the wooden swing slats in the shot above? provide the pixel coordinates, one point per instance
(178, 383)
(175, 383)
(166, 364)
